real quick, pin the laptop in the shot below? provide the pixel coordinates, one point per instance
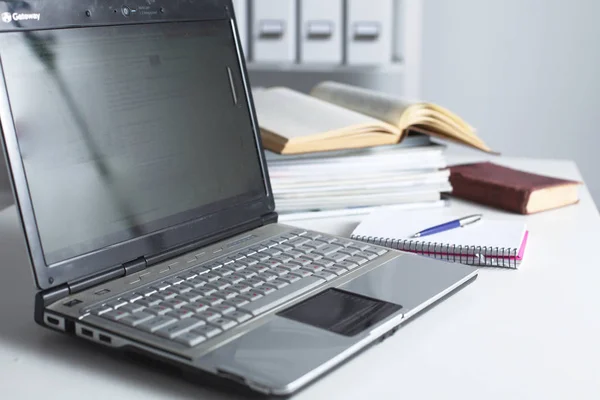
(140, 180)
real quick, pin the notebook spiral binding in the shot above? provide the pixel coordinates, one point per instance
(472, 255)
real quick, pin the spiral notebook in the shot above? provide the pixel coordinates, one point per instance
(494, 243)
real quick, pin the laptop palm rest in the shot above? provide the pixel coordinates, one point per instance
(306, 339)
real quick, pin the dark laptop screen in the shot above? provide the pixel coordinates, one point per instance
(126, 130)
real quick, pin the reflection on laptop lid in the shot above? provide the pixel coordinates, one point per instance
(90, 108)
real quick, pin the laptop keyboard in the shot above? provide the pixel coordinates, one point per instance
(209, 299)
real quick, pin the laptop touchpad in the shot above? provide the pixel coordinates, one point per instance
(341, 312)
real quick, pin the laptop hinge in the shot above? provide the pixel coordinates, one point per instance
(135, 265)
(270, 218)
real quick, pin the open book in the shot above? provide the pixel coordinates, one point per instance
(337, 116)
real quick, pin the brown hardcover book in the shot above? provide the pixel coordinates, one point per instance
(510, 189)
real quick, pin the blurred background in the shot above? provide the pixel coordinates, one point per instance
(524, 73)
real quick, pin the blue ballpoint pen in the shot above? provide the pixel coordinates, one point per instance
(457, 223)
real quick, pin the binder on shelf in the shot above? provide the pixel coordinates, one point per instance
(240, 8)
(369, 32)
(321, 32)
(274, 31)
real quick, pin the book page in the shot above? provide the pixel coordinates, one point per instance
(296, 116)
(370, 102)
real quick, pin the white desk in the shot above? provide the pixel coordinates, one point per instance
(527, 334)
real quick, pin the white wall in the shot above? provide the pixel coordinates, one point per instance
(525, 73)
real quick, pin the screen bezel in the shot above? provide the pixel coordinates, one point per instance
(232, 212)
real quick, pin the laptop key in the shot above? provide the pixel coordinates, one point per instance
(182, 288)
(325, 275)
(133, 308)
(301, 261)
(239, 316)
(195, 307)
(247, 273)
(190, 339)
(99, 310)
(350, 251)
(147, 291)
(222, 309)
(209, 277)
(283, 247)
(174, 303)
(233, 279)
(254, 282)
(211, 300)
(161, 286)
(368, 255)
(208, 331)
(272, 252)
(294, 253)
(337, 257)
(315, 244)
(324, 263)
(181, 313)
(327, 250)
(225, 271)
(136, 318)
(237, 301)
(260, 257)
(267, 276)
(224, 323)
(240, 288)
(252, 295)
(156, 323)
(377, 250)
(281, 296)
(345, 264)
(174, 281)
(258, 268)
(265, 289)
(290, 278)
(302, 273)
(312, 256)
(221, 284)
(150, 301)
(337, 270)
(158, 310)
(196, 282)
(115, 315)
(312, 235)
(313, 268)
(271, 263)
(357, 260)
(226, 294)
(200, 270)
(132, 297)
(116, 303)
(277, 283)
(175, 329)
(187, 276)
(190, 296)
(205, 291)
(304, 249)
(208, 315)
(279, 271)
(166, 294)
(299, 241)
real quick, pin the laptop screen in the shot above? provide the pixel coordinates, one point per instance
(127, 130)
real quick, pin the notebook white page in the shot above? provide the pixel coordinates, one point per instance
(400, 225)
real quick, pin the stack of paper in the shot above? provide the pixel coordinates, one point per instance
(412, 174)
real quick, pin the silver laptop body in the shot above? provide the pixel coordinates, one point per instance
(139, 176)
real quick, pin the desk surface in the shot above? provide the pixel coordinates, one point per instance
(526, 334)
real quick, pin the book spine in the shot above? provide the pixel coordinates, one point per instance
(482, 256)
(491, 194)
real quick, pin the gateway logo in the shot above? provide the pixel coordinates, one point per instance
(8, 18)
